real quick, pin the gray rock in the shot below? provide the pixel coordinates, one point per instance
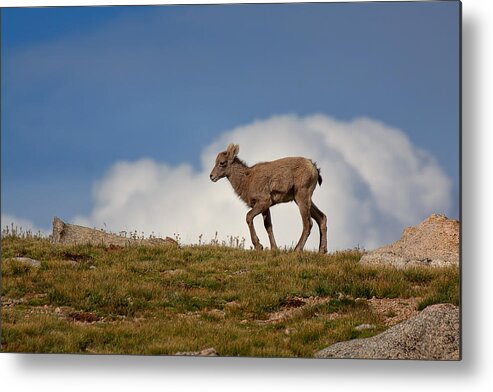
(434, 242)
(28, 261)
(432, 334)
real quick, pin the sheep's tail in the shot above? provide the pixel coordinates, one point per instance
(319, 180)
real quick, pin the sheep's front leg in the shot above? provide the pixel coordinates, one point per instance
(257, 209)
(268, 228)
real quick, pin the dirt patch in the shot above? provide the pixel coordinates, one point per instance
(75, 257)
(171, 272)
(9, 302)
(392, 311)
(395, 310)
(45, 309)
(292, 307)
(115, 248)
(83, 317)
(239, 272)
(61, 312)
(294, 303)
(69, 263)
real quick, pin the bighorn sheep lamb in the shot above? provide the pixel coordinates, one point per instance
(266, 184)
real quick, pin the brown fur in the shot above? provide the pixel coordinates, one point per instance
(266, 184)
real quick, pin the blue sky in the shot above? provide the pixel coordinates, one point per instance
(85, 87)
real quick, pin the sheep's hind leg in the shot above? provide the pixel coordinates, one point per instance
(268, 228)
(304, 204)
(321, 220)
(257, 209)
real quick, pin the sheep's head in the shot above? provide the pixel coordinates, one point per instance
(223, 162)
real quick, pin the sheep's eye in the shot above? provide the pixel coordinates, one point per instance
(222, 163)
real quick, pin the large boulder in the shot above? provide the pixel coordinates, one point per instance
(432, 334)
(433, 242)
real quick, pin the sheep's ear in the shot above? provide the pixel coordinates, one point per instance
(233, 150)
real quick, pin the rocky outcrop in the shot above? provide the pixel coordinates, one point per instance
(433, 242)
(432, 334)
(66, 233)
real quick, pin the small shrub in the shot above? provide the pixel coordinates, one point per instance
(418, 275)
(16, 268)
(58, 297)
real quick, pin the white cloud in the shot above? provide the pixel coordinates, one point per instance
(375, 182)
(25, 225)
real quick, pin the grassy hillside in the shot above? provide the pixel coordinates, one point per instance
(168, 299)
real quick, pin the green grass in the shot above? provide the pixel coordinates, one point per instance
(166, 299)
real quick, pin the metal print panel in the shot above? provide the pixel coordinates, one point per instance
(256, 180)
